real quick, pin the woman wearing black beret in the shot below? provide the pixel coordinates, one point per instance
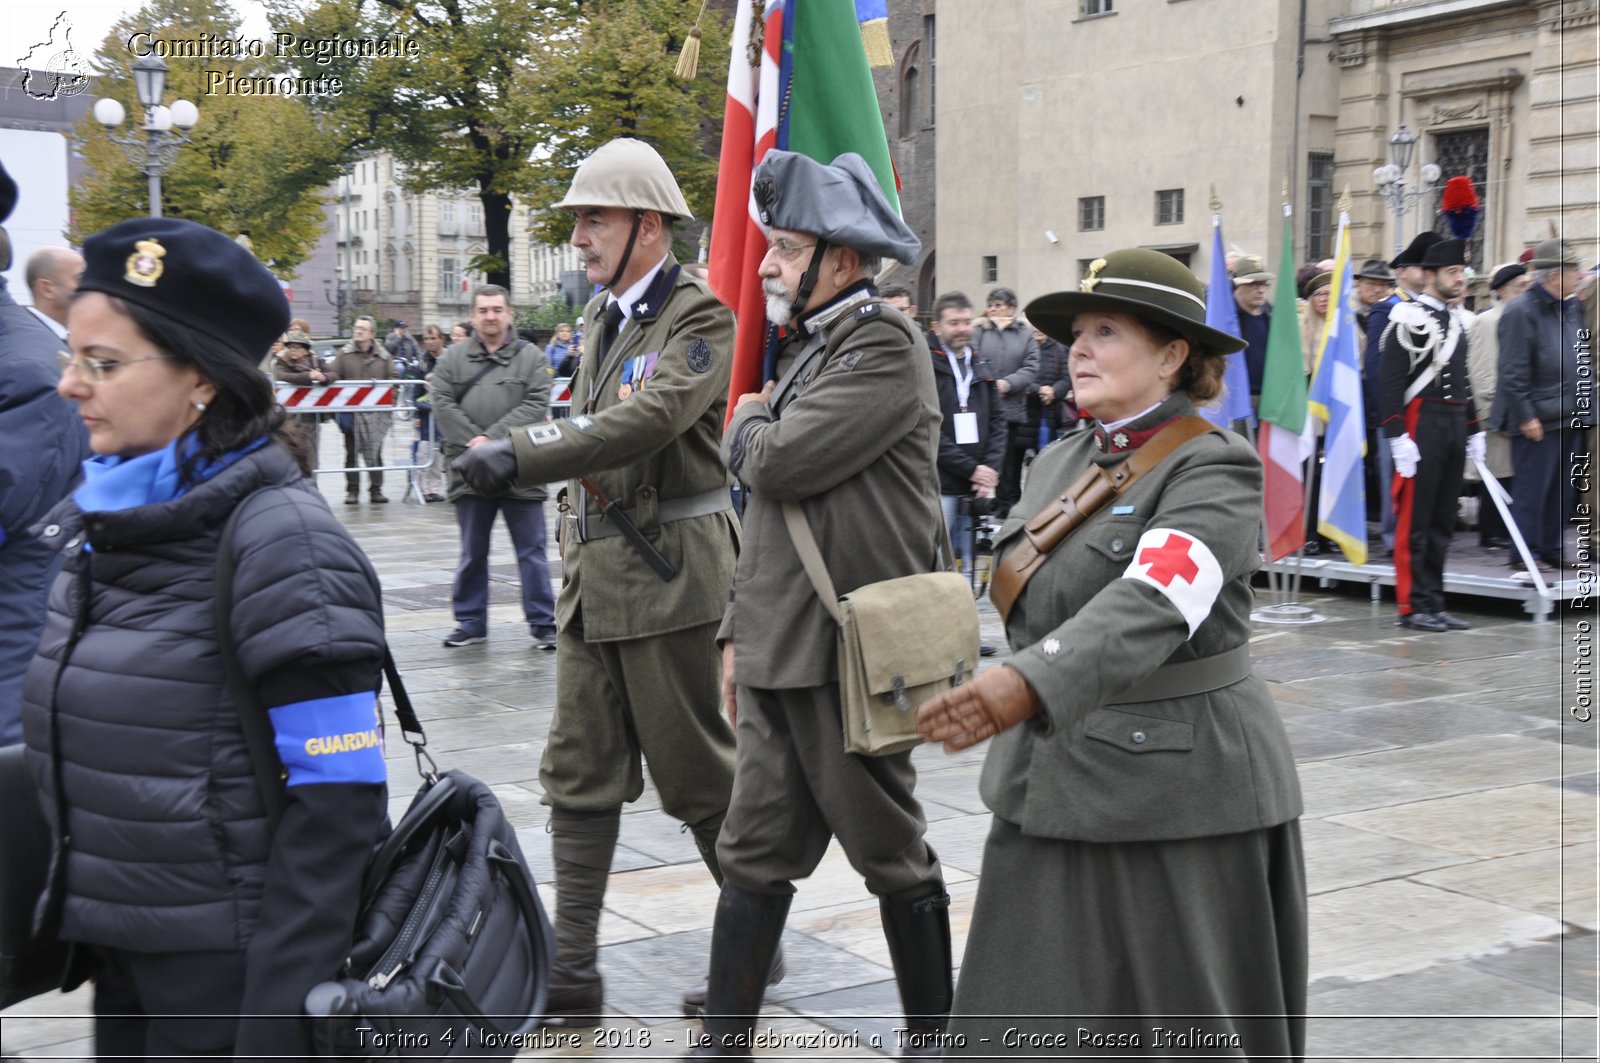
(198, 918)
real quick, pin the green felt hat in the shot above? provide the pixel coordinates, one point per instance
(1147, 284)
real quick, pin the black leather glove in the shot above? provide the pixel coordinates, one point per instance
(489, 468)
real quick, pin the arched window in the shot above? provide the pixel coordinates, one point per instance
(910, 102)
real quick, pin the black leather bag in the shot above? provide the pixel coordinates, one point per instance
(453, 949)
(28, 967)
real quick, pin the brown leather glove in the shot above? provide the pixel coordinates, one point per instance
(998, 699)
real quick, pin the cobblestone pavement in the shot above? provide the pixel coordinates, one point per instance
(1450, 832)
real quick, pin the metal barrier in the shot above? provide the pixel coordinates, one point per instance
(560, 398)
(375, 409)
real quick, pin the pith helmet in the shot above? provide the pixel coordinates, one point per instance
(625, 173)
(1147, 284)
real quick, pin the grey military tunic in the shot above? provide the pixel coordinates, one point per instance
(636, 660)
(854, 439)
(1144, 857)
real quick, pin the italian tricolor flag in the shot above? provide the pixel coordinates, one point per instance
(798, 80)
(1286, 440)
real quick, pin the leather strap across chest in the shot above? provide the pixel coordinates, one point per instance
(1086, 496)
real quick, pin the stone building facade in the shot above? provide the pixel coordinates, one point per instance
(908, 96)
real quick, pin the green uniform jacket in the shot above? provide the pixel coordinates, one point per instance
(1084, 630)
(856, 442)
(659, 443)
(515, 391)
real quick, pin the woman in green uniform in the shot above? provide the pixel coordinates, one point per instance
(1143, 890)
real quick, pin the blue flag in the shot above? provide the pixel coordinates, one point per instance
(1222, 314)
(1335, 398)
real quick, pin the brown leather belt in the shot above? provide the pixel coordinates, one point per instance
(1187, 678)
(1046, 529)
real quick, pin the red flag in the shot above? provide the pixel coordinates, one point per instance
(749, 131)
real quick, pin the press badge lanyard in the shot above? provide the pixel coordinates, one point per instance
(966, 422)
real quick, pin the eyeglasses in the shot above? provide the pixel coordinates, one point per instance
(96, 370)
(787, 251)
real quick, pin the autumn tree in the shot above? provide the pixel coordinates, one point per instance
(254, 163)
(617, 79)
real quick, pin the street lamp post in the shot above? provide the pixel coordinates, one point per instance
(333, 292)
(1391, 181)
(166, 129)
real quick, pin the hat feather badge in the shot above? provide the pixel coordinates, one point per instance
(1461, 207)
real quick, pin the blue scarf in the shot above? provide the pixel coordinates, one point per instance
(112, 482)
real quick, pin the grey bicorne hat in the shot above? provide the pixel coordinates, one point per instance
(840, 202)
(1147, 284)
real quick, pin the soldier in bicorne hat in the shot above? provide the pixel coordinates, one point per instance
(1431, 425)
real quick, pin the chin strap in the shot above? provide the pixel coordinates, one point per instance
(808, 280)
(627, 252)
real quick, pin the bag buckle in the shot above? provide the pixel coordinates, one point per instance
(901, 702)
(960, 674)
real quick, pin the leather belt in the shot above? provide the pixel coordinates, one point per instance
(716, 500)
(1187, 678)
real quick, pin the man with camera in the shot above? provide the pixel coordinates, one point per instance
(972, 436)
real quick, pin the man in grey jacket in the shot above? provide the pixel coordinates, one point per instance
(868, 486)
(1007, 342)
(482, 388)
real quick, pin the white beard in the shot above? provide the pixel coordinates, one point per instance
(780, 301)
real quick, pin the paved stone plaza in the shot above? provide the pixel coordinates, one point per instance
(1450, 832)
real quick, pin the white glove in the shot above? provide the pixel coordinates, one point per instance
(1475, 447)
(1406, 455)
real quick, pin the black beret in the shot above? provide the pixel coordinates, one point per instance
(1506, 274)
(8, 194)
(192, 275)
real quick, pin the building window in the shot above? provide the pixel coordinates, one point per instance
(1465, 153)
(448, 277)
(908, 101)
(447, 216)
(475, 218)
(991, 268)
(1319, 205)
(390, 210)
(1091, 214)
(1086, 8)
(928, 41)
(1169, 206)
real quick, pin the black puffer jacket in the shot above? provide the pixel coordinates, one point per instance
(162, 843)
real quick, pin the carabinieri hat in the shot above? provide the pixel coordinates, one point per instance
(1445, 253)
(841, 202)
(1375, 269)
(192, 275)
(1147, 284)
(1412, 255)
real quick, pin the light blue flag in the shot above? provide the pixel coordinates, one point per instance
(1222, 314)
(1335, 399)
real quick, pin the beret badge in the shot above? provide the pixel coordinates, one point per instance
(144, 265)
(765, 193)
(1088, 283)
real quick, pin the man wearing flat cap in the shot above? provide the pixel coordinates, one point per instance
(849, 432)
(1483, 365)
(1250, 283)
(648, 547)
(1430, 423)
(1546, 397)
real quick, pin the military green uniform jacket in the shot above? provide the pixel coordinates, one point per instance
(514, 391)
(658, 443)
(1161, 574)
(855, 441)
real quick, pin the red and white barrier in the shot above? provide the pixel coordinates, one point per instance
(335, 396)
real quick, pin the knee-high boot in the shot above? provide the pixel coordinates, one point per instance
(916, 923)
(582, 844)
(743, 942)
(705, 839)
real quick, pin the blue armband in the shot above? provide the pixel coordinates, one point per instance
(337, 740)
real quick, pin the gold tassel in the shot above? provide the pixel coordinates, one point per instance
(689, 58)
(875, 35)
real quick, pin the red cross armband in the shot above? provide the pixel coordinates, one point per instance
(1182, 568)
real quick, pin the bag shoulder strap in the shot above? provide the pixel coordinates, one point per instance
(468, 386)
(805, 544)
(259, 737)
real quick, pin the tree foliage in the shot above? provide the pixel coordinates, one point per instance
(254, 163)
(617, 79)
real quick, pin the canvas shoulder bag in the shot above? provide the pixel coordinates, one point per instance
(901, 642)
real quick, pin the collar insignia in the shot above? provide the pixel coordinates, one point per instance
(144, 265)
(641, 308)
(1088, 283)
(1120, 441)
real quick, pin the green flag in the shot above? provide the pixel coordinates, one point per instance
(1283, 381)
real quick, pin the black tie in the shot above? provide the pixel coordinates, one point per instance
(609, 328)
